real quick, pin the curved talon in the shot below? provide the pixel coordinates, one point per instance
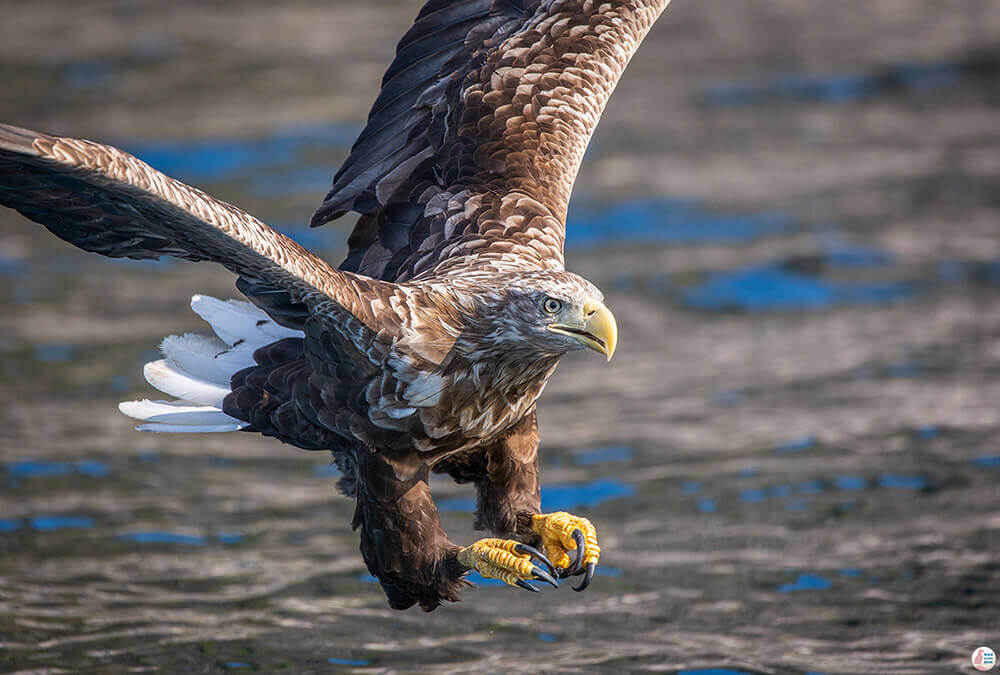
(538, 555)
(542, 575)
(591, 567)
(581, 547)
(526, 586)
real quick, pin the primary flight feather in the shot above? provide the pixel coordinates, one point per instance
(428, 347)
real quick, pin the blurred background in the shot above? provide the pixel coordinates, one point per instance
(793, 207)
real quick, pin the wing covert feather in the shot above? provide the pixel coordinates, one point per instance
(473, 144)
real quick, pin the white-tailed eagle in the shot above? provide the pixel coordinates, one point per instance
(427, 348)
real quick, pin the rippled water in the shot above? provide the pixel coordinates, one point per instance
(792, 461)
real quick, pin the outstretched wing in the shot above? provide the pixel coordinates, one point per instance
(473, 144)
(106, 201)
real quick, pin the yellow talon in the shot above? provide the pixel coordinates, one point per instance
(507, 560)
(563, 532)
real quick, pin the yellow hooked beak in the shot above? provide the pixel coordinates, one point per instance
(598, 330)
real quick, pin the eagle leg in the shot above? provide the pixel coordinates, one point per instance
(510, 561)
(402, 541)
(508, 483)
(562, 533)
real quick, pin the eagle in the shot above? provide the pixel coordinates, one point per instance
(428, 347)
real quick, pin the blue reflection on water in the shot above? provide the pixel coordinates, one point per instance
(808, 488)
(559, 497)
(456, 504)
(155, 537)
(770, 287)
(10, 525)
(834, 88)
(309, 179)
(892, 480)
(850, 482)
(313, 237)
(12, 267)
(53, 352)
(797, 504)
(667, 221)
(88, 74)
(753, 496)
(806, 582)
(797, 445)
(987, 461)
(569, 496)
(845, 255)
(813, 487)
(91, 467)
(728, 397)
(706, 505)
(546, 637)
(52, 523)
(17, 471)
(220, 159)
(348, 662)
(326, 470)
(906, 369)
(614, 453)
(691, 487)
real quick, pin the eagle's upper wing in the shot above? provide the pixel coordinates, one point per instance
(472, 146)
(104, 200)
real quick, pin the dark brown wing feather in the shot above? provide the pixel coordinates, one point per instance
(473, 144)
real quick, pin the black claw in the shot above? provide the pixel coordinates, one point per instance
(538, 555)
(581, 547)
(542, 575)
(526, 586)
(586, 579)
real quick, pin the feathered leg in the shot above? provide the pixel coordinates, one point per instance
(402, 540)
(508, 489)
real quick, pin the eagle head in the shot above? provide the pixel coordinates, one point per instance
(549, 313)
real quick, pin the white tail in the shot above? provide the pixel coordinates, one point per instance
(196, 369)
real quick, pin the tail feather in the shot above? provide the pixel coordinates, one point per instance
(187, 429)
(197, 369)
(237, 322)
(195, 353)
(176, 412)
(170, 379)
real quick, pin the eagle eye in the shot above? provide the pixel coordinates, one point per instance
(551, 305)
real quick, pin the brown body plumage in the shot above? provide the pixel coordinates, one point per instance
(428, 348)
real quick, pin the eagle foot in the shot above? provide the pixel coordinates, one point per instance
(508, 560)
(563, 532)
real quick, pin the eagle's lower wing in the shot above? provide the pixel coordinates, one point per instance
(106, 201)
(473, 144)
